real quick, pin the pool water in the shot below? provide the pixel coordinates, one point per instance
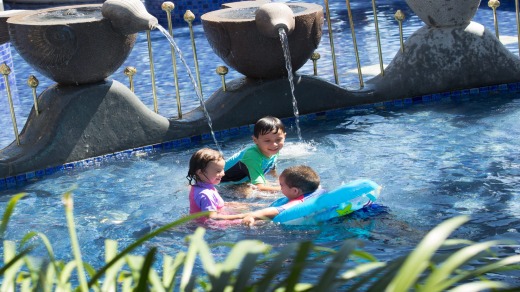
(434, 160)
(442, 159)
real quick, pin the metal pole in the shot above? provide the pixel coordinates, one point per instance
(315, 57)
(222, 71)
(130, 72)
(33, 83)
(189, 17)
(351, 21)
(381, 67)
(331, 41)
(399, 16)
(168, 7)
(5, 70)
(517, 24)
(494, 4)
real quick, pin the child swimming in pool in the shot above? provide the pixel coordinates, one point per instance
(297, 183)
(252, 163)
(205, 171)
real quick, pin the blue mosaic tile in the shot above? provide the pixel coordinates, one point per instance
(474, 91)
(69, 166)
(493, 88)
(456, 93)
(185, 142)
(30, 175)
(10, 180)
(206, 136)
(244, 130)
(157, 146)
(234, 131)
(512, 86)
(408, 101)
(196, 139)
(388, 103)
(21, 178)
(465, 92)
(445, 95)
(224, 133)
(379, 104)
(436, 96)
(218, 135)
(503, 87)
(50, 170)
(40, 173)
(3, 184)
(109, 156)
(148, 148)
(138, 149)
(168, 145)
(417, 99)
(483, 90)
(176, 143)
(398, 102)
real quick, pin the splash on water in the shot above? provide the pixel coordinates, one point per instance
(287, 54)
(298, 150)
(192, 79)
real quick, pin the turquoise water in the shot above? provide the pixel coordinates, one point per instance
(434, 160)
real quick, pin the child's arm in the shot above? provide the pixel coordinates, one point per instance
(270, 213)
(217, 216)
(269, 188)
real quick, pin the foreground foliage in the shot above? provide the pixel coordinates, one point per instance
(252, 266)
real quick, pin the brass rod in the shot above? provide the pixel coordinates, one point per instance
(351, 22)
(33, 83)
(331, 41)
(168, 7)
(152, 72)
(222, 71)
(189, 17)
(517, 24)
(315, 57)
(5, 70)
(494, 4)
(379, 50)
(130, 72)
(399, 16)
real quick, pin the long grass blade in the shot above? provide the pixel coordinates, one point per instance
(8, 212)
(275, 267)
(437, 279)
(418, 260)
(327, 280)
(143, 239)
(142, 285)
(298, 265)
(479, 286)
(189, 262)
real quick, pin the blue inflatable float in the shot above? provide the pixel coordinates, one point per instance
(339, 202)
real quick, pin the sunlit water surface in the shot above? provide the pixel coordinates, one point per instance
(434, 161)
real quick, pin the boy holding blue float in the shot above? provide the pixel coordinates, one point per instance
(253, 163)
(297, 183)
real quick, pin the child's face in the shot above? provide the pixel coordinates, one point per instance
(271, 143)
(290, 192)
(213, 172)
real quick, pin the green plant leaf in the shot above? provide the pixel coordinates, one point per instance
(187, 281)
(275, 267)
(171, 269)
(437, 280)
(8, 212)
(479, 286)
(142, 285)
(143, 239)
(418, 260)
(327, 280)
(298, 265)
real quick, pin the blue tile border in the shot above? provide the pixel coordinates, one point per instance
(185, 143)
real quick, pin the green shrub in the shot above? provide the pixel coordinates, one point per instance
(462, 269)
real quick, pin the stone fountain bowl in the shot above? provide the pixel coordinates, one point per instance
(233, 35)
(70, 44)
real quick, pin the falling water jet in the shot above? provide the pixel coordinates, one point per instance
(192, 79)
(290, 77)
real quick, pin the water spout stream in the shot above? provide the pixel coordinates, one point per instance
(192, 79)
(287, 54)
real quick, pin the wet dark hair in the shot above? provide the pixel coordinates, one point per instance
(302, 177)
(268, 125)
(200, 160)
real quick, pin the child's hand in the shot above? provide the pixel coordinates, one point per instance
(253, 187)
(249, 221)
